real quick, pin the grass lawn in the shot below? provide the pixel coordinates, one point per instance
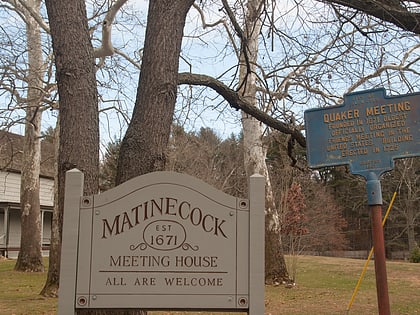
(324, 286)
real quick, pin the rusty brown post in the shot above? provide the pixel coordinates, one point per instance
(380, 261)
(373, 187)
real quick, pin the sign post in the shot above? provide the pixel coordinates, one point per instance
(367, 132)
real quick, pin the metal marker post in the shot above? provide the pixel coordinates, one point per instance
(368, 131)
(373, 187)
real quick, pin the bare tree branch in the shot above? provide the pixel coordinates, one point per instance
(203, 18)
(35, 16)
(393, 11)
(239, 32)
(106, 48)
(19, 5)
(401, 67)
(239, 103)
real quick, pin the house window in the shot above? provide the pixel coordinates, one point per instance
(14, 228)
(46, 228)
(2, 227)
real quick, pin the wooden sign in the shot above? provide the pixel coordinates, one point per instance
(163, 241)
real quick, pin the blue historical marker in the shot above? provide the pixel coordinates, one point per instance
(367, 132)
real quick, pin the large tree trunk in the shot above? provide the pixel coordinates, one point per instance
(254, 151)
(30, 254)
(143, 148)
(410, 180)
(51, 285)
(78, 118)
(411, 229)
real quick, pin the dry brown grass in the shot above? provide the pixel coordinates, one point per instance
(324, 286)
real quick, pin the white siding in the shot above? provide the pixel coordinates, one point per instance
(46, 194)
(10, 189)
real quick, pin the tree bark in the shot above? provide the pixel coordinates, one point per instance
(143, 148)
(254, 150)
(392, 11)
(410, 181)
(30, 253)
(78, 107)
(411, 229)
(51, 285)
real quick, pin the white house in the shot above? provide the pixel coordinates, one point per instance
(11, 147)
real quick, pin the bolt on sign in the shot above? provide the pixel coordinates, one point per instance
(367, 132)
(162, 241)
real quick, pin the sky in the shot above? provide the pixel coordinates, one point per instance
(128, 36)
(201, 53)
(203, 57)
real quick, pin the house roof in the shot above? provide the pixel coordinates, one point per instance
(11, 152)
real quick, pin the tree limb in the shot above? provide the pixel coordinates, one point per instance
(239, 103)
(393, 11)
(106, 48)
(35, 16)
(203, 18)
(401, 67)
(18, 7)
(239, 32)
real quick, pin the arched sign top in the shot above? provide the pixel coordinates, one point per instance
(186, 182)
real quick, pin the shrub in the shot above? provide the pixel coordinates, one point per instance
(415, 255)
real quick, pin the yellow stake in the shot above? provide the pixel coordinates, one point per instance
(369, 256)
